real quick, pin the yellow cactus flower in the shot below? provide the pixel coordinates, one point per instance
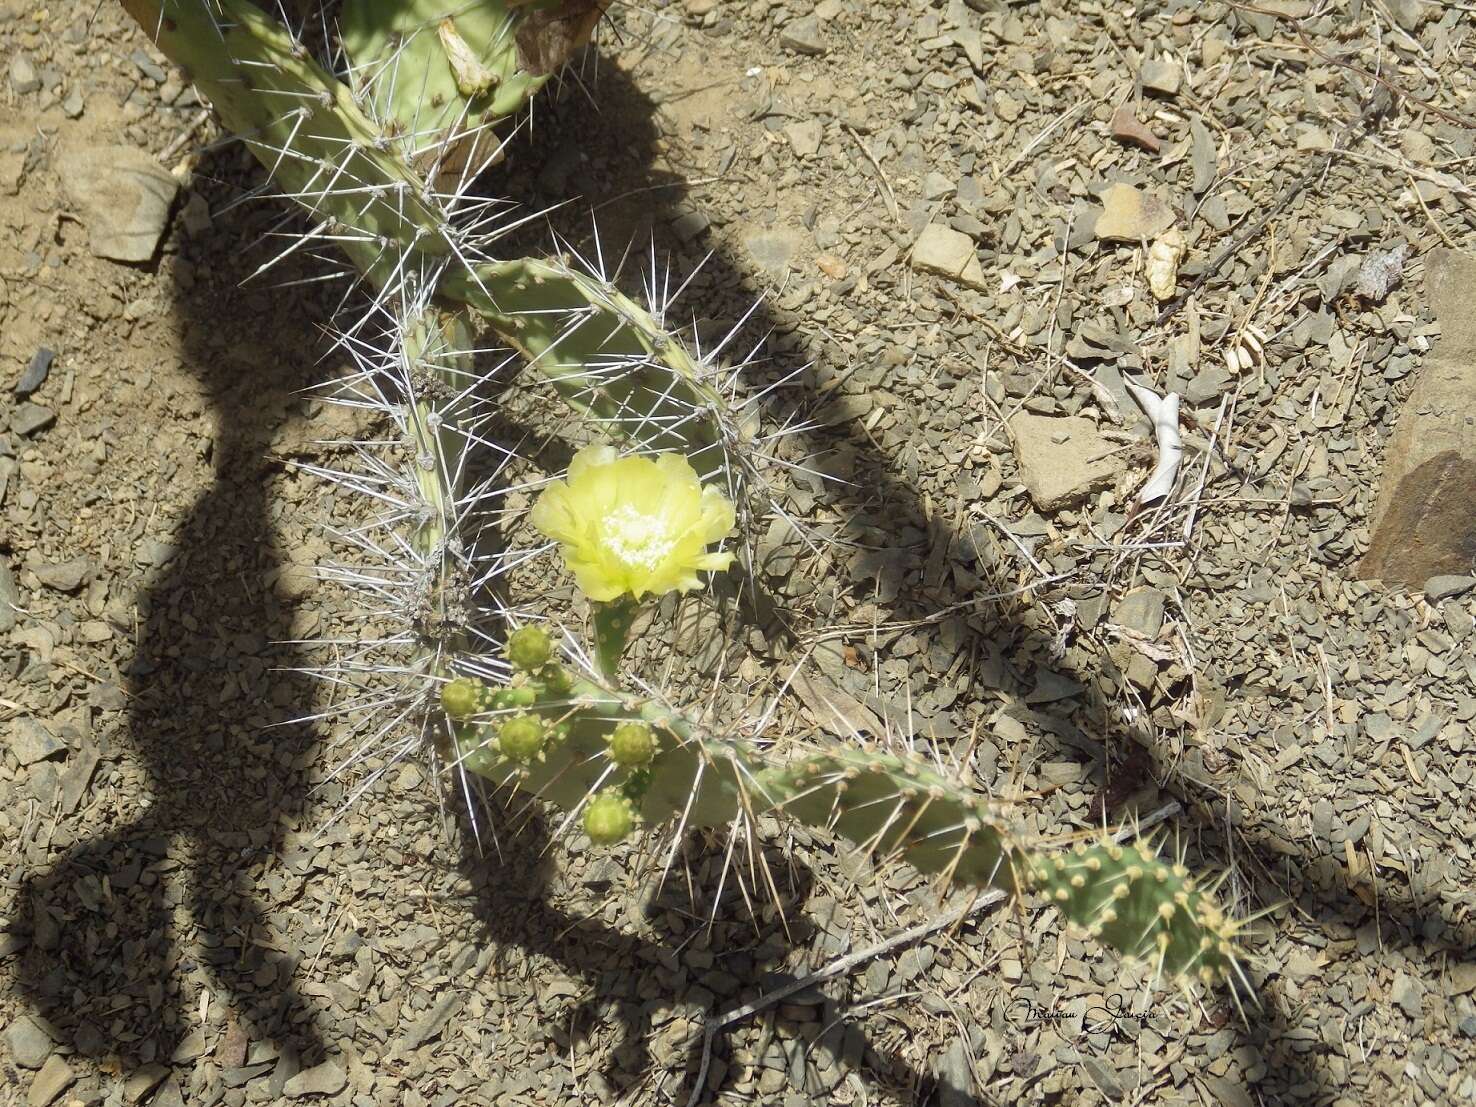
(634, 525)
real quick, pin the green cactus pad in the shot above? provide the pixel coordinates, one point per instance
(303, 125)
(607, 356)
(1144, 907)
(437, 75)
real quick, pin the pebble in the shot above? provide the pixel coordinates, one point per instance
(28, 418)
(949, 253)
(23, 75)
(1141, 610)
(124, 197)
(326, 1079)
(31, 741)
(803, 37)
(955, 1076)
(1062, 459)
(54, 1078)
(63, 576)
(35, 373)
(1445, 586)
(1129, 215)
(147, 66)
(937, 186)
(1409, 994)
(1162, 76)
(142, 1081)
(773, 249)
(9, 598)
(29, 1045)
(805, 137)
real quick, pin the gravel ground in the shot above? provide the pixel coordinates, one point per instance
(953, 213)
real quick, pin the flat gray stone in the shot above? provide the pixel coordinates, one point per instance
(949, 253)
(774, 248)
(36, 372)
(29, 1045)
(803, 36)
(1162, 76)
(1409, 994)
(23, 75)
(28, 418)
(325, 1079)
(142, 1081)
(1062, 459)
(1447, 585)
(64, 576)
(124, 197)
(9, 598)
(1141, 610)
(805, 137)
(30, 741)
(1424, 523)
(53, 1079)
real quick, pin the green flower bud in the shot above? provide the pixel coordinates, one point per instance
(461, 697)
(608, 818)
(521, 738)
(529, 648)
(632, 745)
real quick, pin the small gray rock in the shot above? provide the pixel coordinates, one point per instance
(949, 253)
(803, 37)
(1409, 994)
(805, 136)
(29, 1045)
(23, 75)
(1062, 460)
(64, 576)
(30, 741)
(53, 1079)
(124, 197)
(29, 418)
(9, 598)
(36, 372)
(142, 1081)
(147, 66)
(325, 1079)
(955, 1076)
(774, 249)
(1448, 585)
(1162, 76)
(1141, 610)
(937, 185)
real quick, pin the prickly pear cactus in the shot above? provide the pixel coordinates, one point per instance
(384, 160)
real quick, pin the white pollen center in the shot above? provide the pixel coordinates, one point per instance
(637, 539)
